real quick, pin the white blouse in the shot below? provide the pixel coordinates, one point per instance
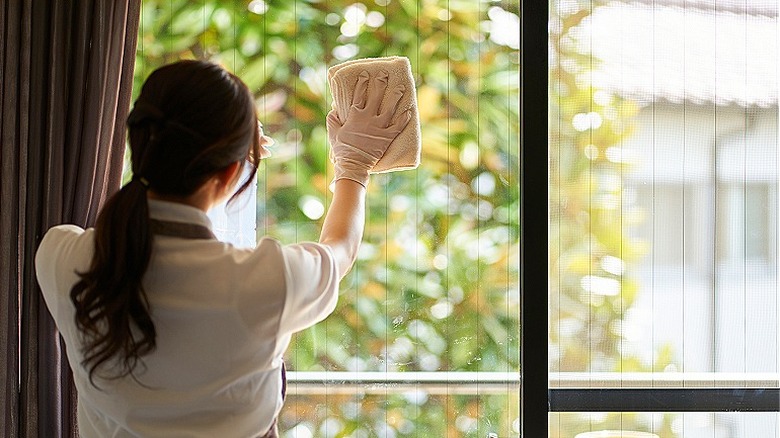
(223, 316)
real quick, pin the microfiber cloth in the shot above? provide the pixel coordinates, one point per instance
(404, 151)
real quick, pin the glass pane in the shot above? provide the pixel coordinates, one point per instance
(664, 425)
(436, 285)
(663, 190)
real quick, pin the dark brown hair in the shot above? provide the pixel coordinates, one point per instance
(191, 120)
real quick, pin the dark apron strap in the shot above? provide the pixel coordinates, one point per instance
(180, 229)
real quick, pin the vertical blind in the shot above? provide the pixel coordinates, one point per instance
(425, 339)
(663, 207)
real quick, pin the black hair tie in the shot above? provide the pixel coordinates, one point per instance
(141, 180)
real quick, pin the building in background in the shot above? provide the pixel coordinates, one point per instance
(700, 181)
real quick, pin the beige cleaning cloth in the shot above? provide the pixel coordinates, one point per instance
(404, 152)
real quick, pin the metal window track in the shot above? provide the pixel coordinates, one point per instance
(568, 392)
(664, 392)
(379, 382)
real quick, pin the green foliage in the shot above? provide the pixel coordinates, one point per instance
(436, 284)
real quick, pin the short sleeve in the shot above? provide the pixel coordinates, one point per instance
(312, 286)
(60, 255)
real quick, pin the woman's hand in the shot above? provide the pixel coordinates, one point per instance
(359, 142)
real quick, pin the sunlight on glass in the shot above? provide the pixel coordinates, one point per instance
(466, 424)
(314, 79)
(603, 98)
(366, 251)
(302, 430)
(311, 207)
(355, 13)
(346, 51)
(441, 310)
(355, 363)
(258, 7)
(444, 15)
(354, 19)
(437, 195)
(349, 29)
(584, 121)
(591, 151)
(613, 265)
(331, 427)
(400, 203)
(617, 154)
(222, 19)
(402, 348)
(375, 19)
(485, 208)
(418, 397)
(600, 285)
(332, 19)
(469, 155)
(250, 46)
(504, 27)
(429, 362)
(351, 410)
(440, 261)
(484, 184)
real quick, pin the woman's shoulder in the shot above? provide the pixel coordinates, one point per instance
(284, 263)
(293, 252)
(63, 235)
(272, 246)
(64, 229)
(64, 250)
(64, 243)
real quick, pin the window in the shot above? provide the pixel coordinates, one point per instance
(425, 340)
(663, 218)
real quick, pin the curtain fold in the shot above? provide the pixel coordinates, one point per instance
(66, 72)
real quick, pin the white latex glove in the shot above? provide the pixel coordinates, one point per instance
(359, 142)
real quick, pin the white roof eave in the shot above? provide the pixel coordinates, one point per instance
(676, 54)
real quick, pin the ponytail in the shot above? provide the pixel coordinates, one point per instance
(110, 300)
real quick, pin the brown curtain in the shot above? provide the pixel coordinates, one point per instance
(65, 81)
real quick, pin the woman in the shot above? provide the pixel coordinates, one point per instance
(170, 332)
